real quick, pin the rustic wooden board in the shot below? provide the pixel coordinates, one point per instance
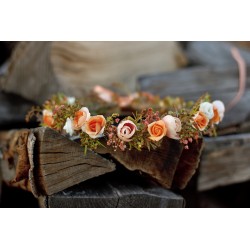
(159, 164)
(190, 83)
(75, 67)
(60, 163)
(46, 162)
(225, 160)
(214, 53)
(122, 193)
(188, 163)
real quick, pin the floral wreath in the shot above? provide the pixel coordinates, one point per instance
(174, 118)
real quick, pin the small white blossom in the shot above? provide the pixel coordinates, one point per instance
(68, 127)
(207, 109)
(71, 100)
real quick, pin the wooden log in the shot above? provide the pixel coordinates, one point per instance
(13, 109)
(75, 67)
(225, 160)
(220, 81)
(188, 163)
(119, 193)
(214, 53)
(55, 162)
(160, 164)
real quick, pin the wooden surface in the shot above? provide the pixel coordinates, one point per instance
(159, 164)
(214, 53)
(120, 192)
(225, 160)
(75, 67)
(190, 83)
(188, 164)
(55, 162)
(62, 163)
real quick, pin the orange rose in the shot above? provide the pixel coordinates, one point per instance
(157, 130)
(48, 119)
(94, 127)
(201, 120)
(81, 116)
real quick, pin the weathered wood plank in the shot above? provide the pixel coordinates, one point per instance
(225, 160)
(188, 164)
(48, 162)
(55, 172)
(159, 164)
(76, 67)
(119, 193)
(221, 82)
(214, 53)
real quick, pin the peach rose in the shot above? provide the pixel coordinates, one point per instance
(104, 94)
(68, 127)
(95, 126)
(219, 109)
(48, 119)
(173, 125)
(126, 130)
(157, 130)
(201, 120)
(81, 116)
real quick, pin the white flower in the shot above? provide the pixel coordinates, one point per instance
(207, 109)
(173, 125)
(68, 127)
(126, 130)
(71, 100)
(219, 108)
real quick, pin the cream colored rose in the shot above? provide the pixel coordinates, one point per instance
(157, 130)
(48, 119)
(207, 109)
(126, 130)
(81, 116)
(68, 127)
(173, 125)
(201, 120)
(219, 110)
(95, 126)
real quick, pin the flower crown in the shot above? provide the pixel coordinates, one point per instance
(167, 117)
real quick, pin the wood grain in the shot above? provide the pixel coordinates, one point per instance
(225, 160)
(221, 82)
(75, 67)
(62, 163)
(159, 164)
(55, 162)
(188, 163)
(104, 192)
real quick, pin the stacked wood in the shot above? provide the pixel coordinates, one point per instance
(225, 159)
(44, 162)
(221, 82)
(116, 192)
(75, 67)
